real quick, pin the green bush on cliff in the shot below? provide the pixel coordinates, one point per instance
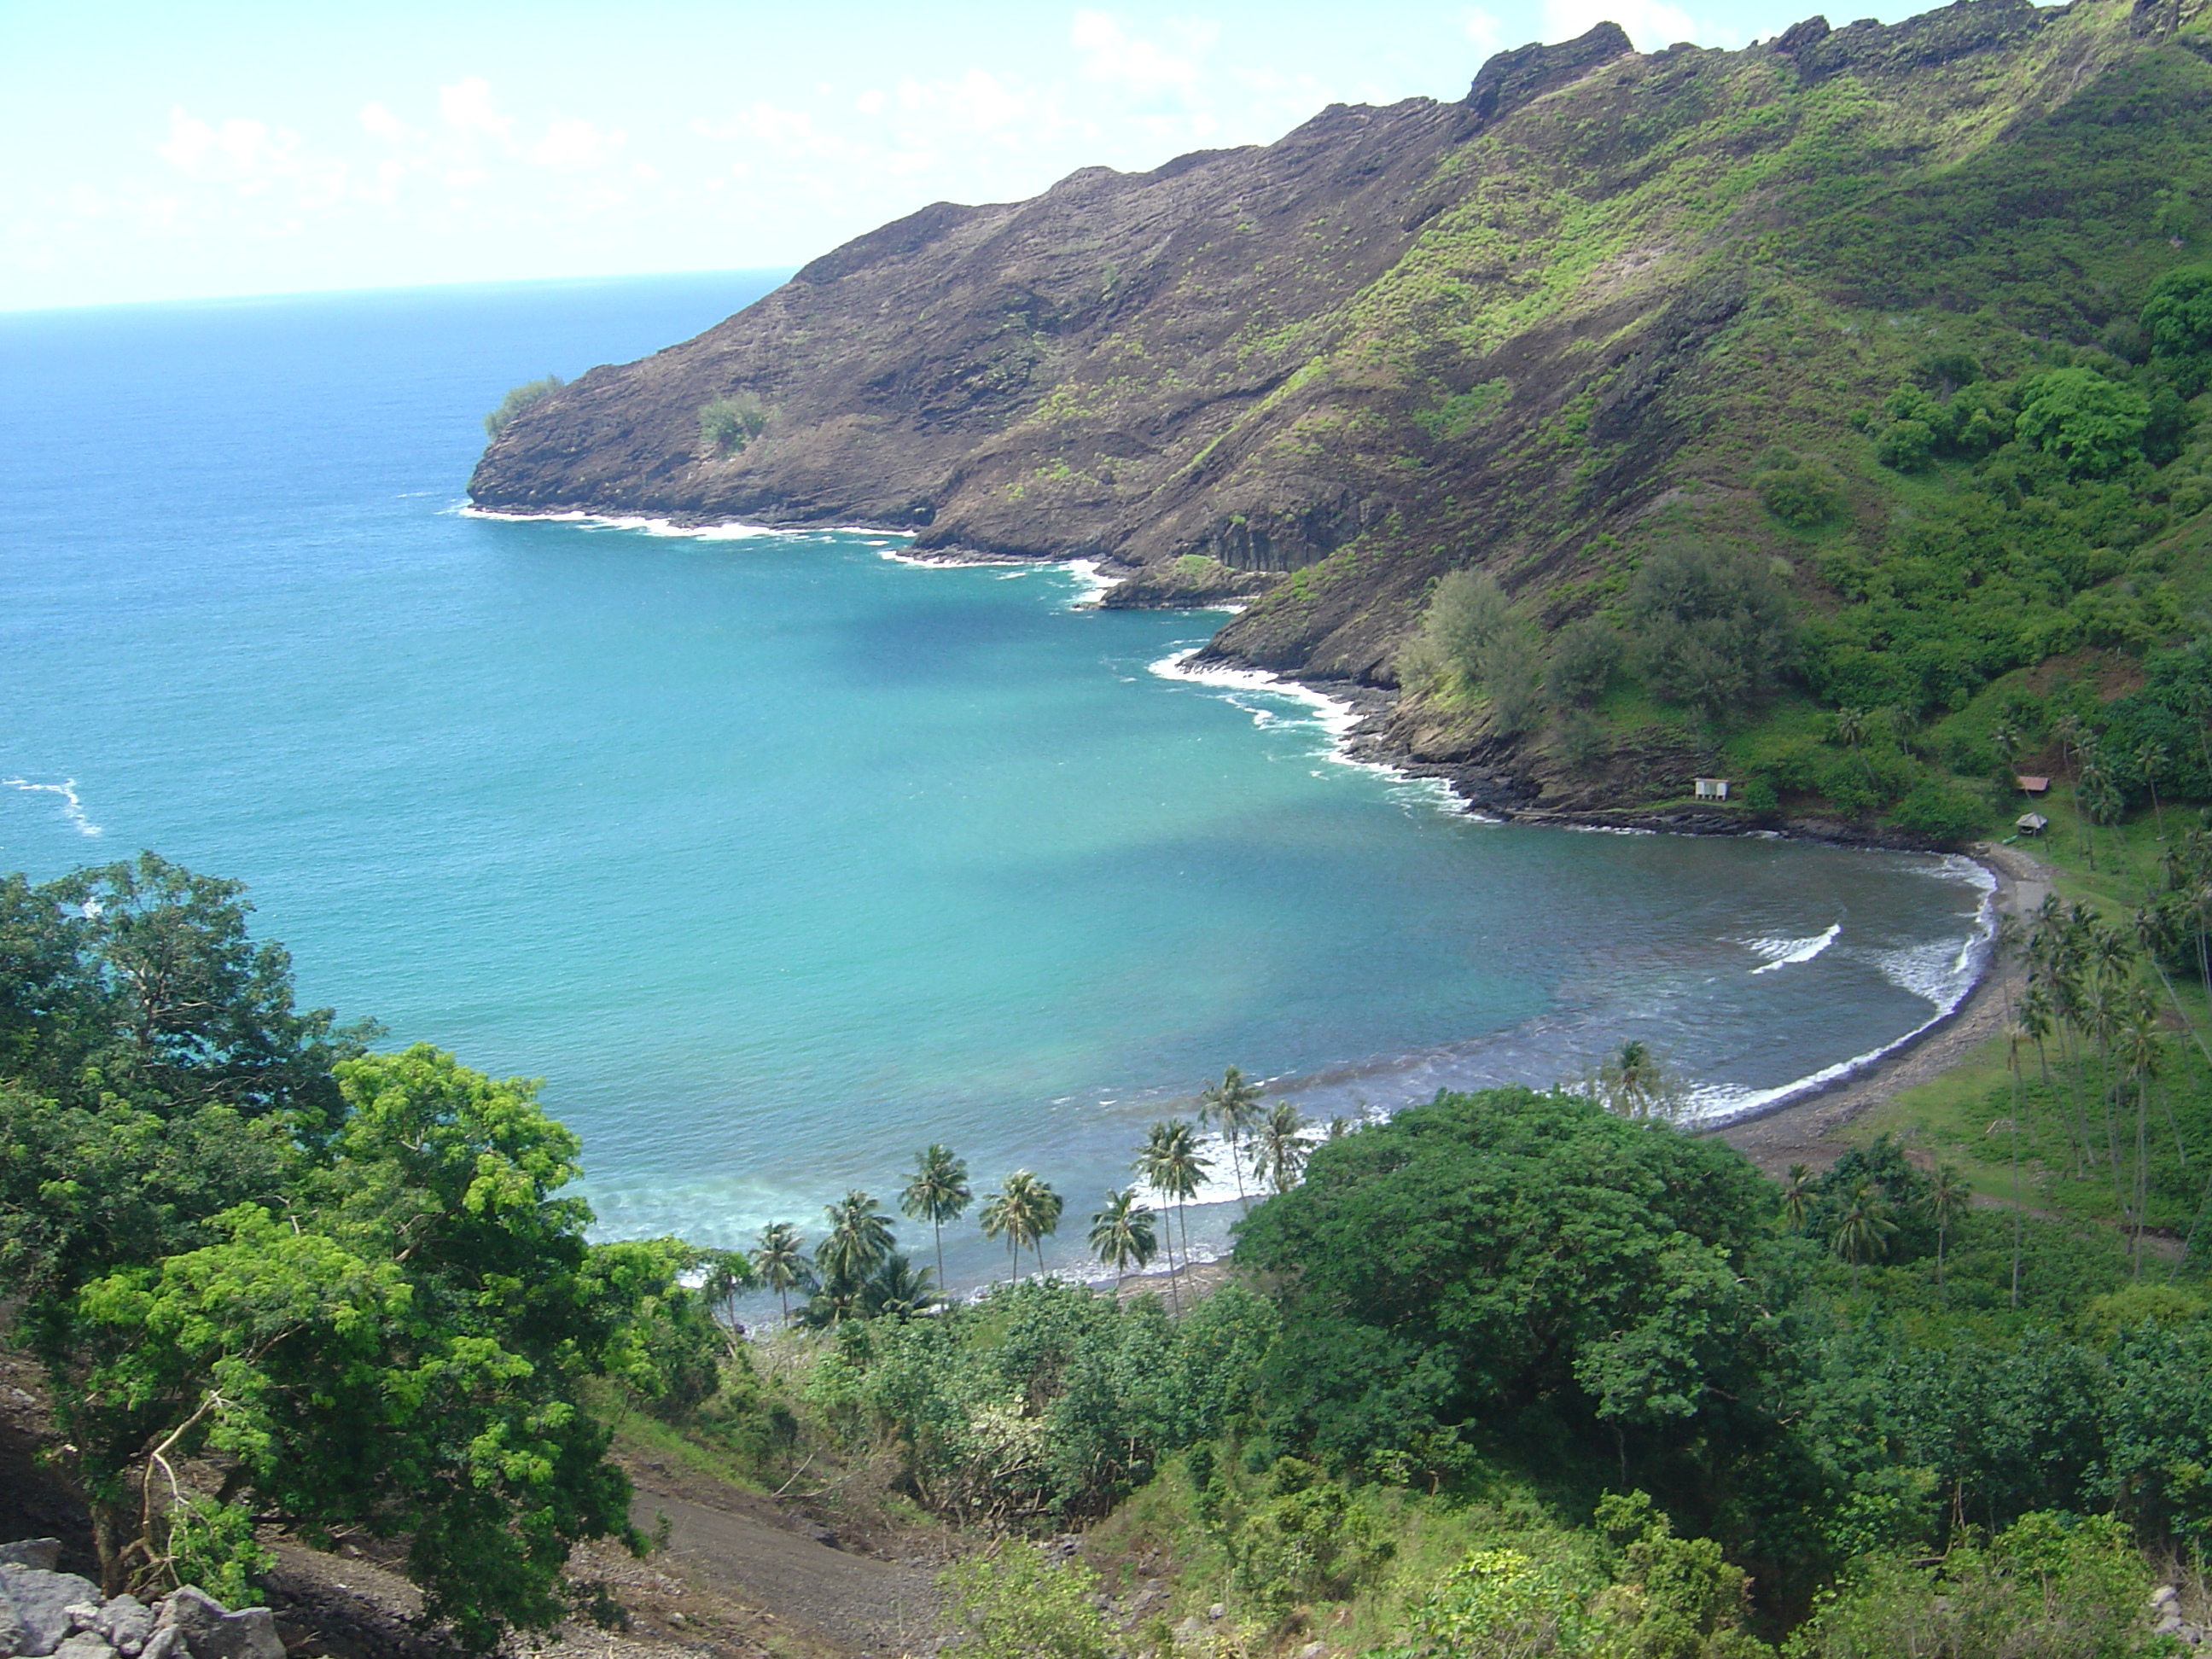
(727, 425)
(517, 399)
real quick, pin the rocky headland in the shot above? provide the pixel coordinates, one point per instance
(1598, 303)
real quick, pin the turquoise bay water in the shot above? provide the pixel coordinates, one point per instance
(774, 855)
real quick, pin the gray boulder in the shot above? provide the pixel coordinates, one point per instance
(85, 1645)
(42, 1600)
(124, 1622)
(44, 1553)
(212, 1633)
(11, 1630)
(166, 1643)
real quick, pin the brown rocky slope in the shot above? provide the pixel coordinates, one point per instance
(1526, 329)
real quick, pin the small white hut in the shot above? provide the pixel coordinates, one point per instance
(1712, 788)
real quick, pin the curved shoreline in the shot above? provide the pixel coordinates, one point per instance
(1793, 1126)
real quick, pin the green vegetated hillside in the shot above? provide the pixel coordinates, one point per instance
(1513, 1374)
(1847, 330)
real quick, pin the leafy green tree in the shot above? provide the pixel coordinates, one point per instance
(2093, 424)
(1511, 670)
(1121, 1234)
(1465, 610)
(1478, 1255)
(395, 1345)
(1584, 655)
(937, 1192)
(728, 424)
(2178, 313)
(1712, 625)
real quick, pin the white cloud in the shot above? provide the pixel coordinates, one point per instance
(467, 107)
(1485, 31)
(1109, 53)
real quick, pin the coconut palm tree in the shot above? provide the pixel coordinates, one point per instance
(1025, 1211)
(937, 1192)
(1946, 1199)
(860, 1237)
(781, 1261)
(896, 1290)
(1284, 1146)
(1171, 1167)
(2151, 759)
(1863, 1228)
(724, 1275)
(1797, 1195)
(1233, 1103)
(1121, 1234)
(2143, 1056)
(1850, 728)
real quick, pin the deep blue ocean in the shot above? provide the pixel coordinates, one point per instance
(775, 856)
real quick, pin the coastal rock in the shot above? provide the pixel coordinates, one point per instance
(44, 1553)
(167, 1641)
(84, 1644)
(125, 1623)
(41, 1601)
(214, 1633)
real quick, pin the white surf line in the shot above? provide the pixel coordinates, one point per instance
(71, 804)
(723, 530)
(1334, 715)
(1781, 953)
(1716, 1107)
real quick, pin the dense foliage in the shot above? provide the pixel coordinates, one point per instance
(349, 1279)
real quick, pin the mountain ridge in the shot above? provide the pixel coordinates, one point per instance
(1535, 331)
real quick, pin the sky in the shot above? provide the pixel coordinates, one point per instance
(171, 149)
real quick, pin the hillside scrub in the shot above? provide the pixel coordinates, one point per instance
(517, 399)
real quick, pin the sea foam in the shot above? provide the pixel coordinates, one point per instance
(1781, 953)
(72, 804)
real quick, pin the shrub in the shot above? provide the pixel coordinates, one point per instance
(1802, 497)
(1711, 624)
(1019, 1605)
(1466, 608)
(1513, 675)
(518, 399)
(1941, 812)
(728, 424)
(2049, 1587)
(1582, 658)
(2094, 425)
(1904, 445)
(1310, 1540)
